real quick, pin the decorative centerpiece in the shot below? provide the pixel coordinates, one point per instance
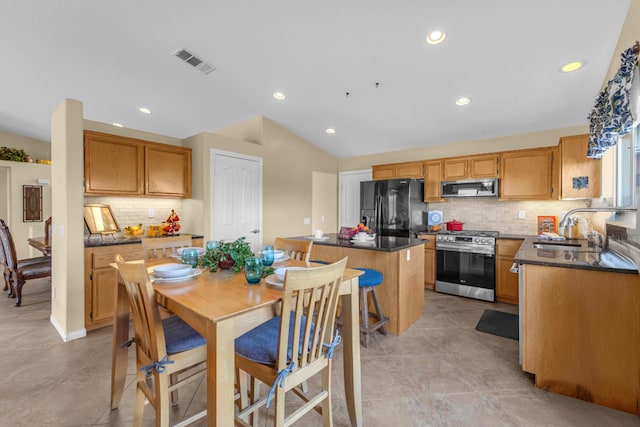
(361, 228)
(227, 255)
(172, 224)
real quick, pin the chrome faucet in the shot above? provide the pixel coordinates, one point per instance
(565, 219)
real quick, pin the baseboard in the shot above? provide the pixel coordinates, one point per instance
(66, 337)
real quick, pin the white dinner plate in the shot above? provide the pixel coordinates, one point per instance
(363, 242)
(318, 239)
(272, 280)
(194, 272)
(281, 259)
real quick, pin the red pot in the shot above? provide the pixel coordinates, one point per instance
(454, 225)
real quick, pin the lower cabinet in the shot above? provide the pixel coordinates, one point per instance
(506, 281)
(429, 261)
(100, 280)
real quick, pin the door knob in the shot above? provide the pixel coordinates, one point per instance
(255, 231)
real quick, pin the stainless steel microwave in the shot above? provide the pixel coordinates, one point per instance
(470, 188)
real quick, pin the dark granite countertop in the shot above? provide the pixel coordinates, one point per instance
(380, 243)
(97, 241)
(584, 258)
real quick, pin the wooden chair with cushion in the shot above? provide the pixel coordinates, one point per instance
(164, 348)
(163, 247)
(296, 249)
(17, 272)
(306, 324)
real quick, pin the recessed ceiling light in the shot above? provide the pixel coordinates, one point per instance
(571, 66)
(330, 131)
(118, 125)
(144, 110)
(463, 101)
(279, 96)
(435, 37)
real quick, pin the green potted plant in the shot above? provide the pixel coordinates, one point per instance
(227, 255)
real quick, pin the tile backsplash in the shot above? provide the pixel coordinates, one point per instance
(492, 214)
(134, 210)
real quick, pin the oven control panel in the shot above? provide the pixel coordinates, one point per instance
(491, 241)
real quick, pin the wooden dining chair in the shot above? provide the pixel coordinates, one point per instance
(289, 349)
(17, 272)
(164, 348)
(164, 247)
(296, 249)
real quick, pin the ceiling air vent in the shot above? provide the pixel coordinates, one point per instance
(191, 59)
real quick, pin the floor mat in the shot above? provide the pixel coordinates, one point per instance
(499, 323)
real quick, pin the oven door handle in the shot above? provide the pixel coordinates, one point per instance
(489, 251)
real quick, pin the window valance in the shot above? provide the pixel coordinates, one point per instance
(617, 108)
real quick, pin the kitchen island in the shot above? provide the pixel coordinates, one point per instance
(401, 261)
(580, 324)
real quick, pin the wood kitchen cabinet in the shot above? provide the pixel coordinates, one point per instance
(506, 281)
(398, 170)
(113, 165)
(527, 174)
(120, 166)
(484, 166)
(167, 171)
(100, 280)
(432, 181)
(580, 334)
(574, 164)
(429, 260)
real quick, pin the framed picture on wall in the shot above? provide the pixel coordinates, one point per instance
(32, 204)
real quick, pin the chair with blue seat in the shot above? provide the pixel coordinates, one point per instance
(165, 348)
(367, 285)
(289, 349)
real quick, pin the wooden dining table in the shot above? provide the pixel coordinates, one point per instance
(222, 306)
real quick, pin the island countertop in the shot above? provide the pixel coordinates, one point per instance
(380, 243)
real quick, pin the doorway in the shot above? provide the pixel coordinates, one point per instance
(236, 197)
(349, 197)
(5, 194)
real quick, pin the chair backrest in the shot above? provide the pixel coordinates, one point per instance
(147, 323)
(163, 247)
(312, 293)
(296, 249)
(47, 232)
(10, 257)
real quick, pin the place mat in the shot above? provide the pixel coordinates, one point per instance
(499, 323)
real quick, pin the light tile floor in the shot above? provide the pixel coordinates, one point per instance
(441, 372)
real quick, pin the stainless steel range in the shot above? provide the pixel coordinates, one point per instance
(465, 263)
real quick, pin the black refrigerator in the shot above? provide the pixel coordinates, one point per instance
(394, 207)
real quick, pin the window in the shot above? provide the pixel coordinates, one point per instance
(627, 178)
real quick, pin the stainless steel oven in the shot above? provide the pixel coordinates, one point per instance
(465, 264)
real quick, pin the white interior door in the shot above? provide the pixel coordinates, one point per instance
(349, 197)
(236, 197)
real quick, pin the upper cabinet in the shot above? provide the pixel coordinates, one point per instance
(527, 174)
(398, 170)
(167, 171)
(121, 166)
(579, 175)
(432, 181)
(484, 166)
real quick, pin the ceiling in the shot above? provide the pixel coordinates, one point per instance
(116, 56)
